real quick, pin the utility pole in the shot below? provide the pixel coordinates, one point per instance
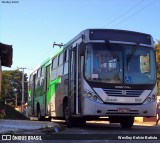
(22, 103)
(16, 100)
(15, 90)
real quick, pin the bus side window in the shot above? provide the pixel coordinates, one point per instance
(31, 78)
(30, 81)
(60, 59)
(65, 56)
(43, 71)
(54, 63)
(54, 68)
(36, 79)
(42, 76)
(39, 73)
(65, 62)
(60, 63)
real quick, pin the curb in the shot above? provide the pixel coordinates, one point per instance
(147, 123)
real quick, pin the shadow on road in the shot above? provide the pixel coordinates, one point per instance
(100, 127)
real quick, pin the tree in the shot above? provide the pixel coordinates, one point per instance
(157, 47)
(12, 87)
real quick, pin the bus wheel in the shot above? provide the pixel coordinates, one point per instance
(127, 122)
(40, 118)
(39, 115)
(66, 116)
(79, 122)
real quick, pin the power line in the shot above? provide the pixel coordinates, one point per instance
(47, 53)
(126, 12)
(133, 14)
(41, 59)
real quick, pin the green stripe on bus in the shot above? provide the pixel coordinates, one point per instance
(52, 89)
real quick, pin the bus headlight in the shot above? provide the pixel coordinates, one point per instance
(95, 97)
(89, 95)
(151, 98)
(92, 96)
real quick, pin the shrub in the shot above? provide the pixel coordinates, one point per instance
(2, 113)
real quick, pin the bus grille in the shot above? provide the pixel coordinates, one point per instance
(126, 93)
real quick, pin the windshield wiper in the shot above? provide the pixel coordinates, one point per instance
(113, 53)
(129, 56)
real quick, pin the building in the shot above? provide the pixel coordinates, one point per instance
(5, 58)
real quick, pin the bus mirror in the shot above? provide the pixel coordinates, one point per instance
(82, 47)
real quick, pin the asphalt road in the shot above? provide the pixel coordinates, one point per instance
(101, 132)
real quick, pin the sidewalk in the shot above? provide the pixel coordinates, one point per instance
(17, 125)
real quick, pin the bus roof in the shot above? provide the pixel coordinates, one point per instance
(113, 34)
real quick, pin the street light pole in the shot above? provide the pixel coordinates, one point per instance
(22, 103)
(16, 100)
(15, 90)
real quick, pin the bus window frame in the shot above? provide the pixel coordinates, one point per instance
(60, 66)
(54, 62)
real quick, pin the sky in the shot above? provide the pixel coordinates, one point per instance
(32, 26)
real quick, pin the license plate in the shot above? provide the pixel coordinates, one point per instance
(123, 110)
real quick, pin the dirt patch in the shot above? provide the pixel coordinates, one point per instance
(11, 113)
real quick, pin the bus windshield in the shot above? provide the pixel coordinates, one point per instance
(120, 64)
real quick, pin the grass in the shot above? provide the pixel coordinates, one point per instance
(11, 113)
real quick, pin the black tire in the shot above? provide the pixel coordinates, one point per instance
(39, 115)
(40, 118)
(79, 122)
(68, 119)
(127, 122)
(47, 119)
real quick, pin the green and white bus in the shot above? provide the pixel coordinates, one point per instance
(99, 73)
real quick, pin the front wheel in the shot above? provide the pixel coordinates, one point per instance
(68, 119)
(39, 115)
(127, 122)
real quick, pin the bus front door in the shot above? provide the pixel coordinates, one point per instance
(73, 78)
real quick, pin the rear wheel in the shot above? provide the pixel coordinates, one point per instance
(39, 115)
(79, 122)
(40, 118)
(127, 122)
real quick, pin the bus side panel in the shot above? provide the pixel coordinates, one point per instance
(52, 98)
(42, 96)
(62, 91)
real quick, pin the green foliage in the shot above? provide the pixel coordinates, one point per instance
(2, 113)
(157, 47)
(12, 86)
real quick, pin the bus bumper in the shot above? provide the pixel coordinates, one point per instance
(97, 109)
